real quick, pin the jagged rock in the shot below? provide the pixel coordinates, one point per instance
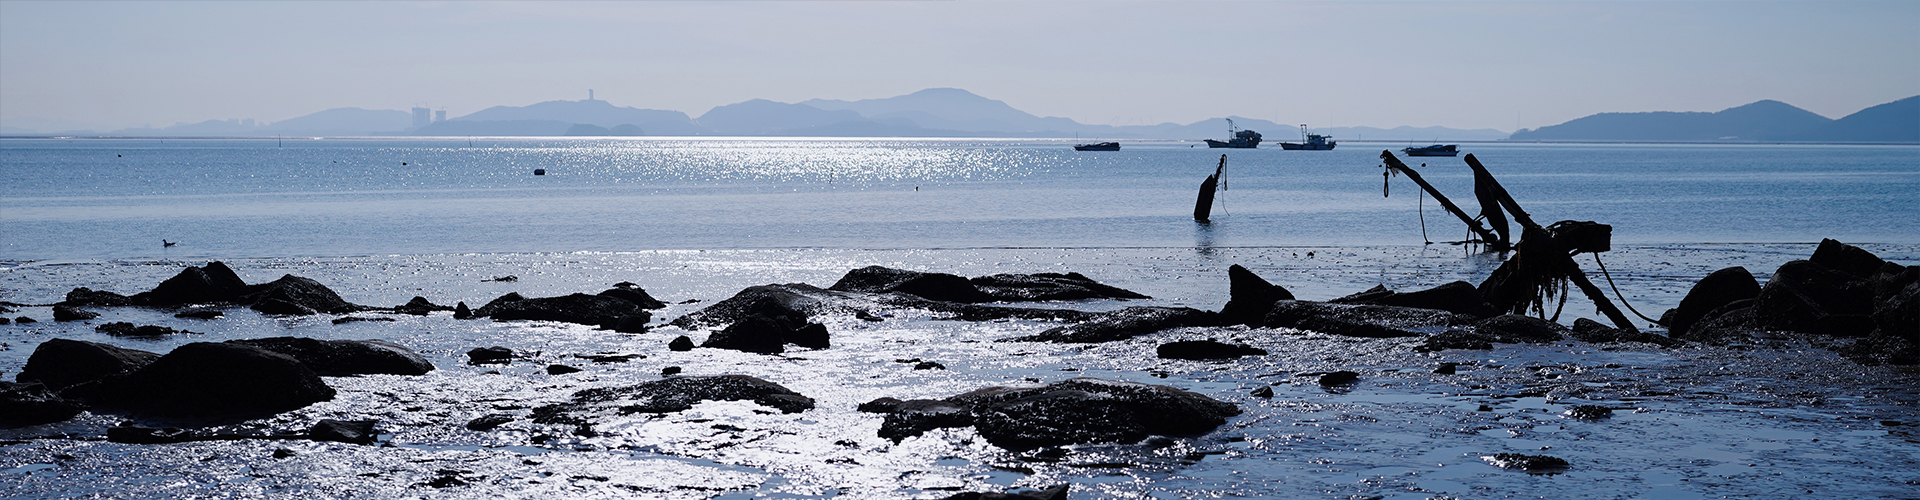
(125, 329)
(84, 296)
(24, 404)
(681, 344)
(1804, 296)
(1251, 297)
(59, 363)
(634, 294)
(1047, 286)
(767, 335)
(214, 282)
(460, 311)
(1360, 320)
(1458, 297)
(931, 286)
(200, 313)
(1520, 329)
(911, 418)
(1846, 258)
(576, 308)
(489, 355)
(1206, 349)
(631, 323)
(420, 306)
(209, 380)
(63, 312)
(1086, 410)
(672, 394)
(1717, 289)
(1056, 492)
(489, 422)
(1124, 324)
(340, 358)
(344, 431)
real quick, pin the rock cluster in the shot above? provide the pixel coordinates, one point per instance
(1075, 411)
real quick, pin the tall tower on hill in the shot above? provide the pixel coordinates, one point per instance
(422, 117)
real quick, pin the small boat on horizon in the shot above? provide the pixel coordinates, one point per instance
(1098, 146)
(1238, 139)
(1434, 150)
(1314, 142)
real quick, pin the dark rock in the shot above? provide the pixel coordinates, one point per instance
(632, 323)
(1446, 369)
(931, 286)
(1206, 349)
(1056, 492)
(356, 319)
(1251, 297)
(1729, 322)
(125, 329)
(214, 282)
(460, 311)
(794, 302)
(5, 320)
(24, 404)
(1124, 324)
(59, 363)
(25, 320)
(489, 422)
(344, 431)
(634, 294)
(929, 365)
(1365, 296)
(754, 334)
(810, 335)
(1456, 338)
(1712, 292)
(303, 291)
(63, 312)
(134, 434)
(1593, 331)
(674, 394)
(1520, 329)
(84, 296)
(1846, 258)
(561, 370)
(880, 405)
(278, 307)
(1529, 463)
(420, 306)
(1085, 410)
(671, 370)
(915, 417)
(609, 358)
(340, 358)
(576, 308)
(1047, 286)
(1458, 297)
(1262, 392)
(1341, 377)
(680, 343)
(489, 355)
(284, 453)
(1359, 320)
(1588, 412)
(209, 380)
(502, 279)
(200, 313)
(1807, 297)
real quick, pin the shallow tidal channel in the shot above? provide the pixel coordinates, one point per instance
(1775, 419)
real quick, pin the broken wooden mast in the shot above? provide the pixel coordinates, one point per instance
(1203, 207)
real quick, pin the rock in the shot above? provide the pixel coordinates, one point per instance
(1520, 329)
(1339, 378)
(344, 431)
(284, 453)
(1086, 410)
(632, 323)
(84, 296)
(675, 394)
(1846, 258)
(929, 365)
(135, 434)
(25, 320)
(1124, 324)
(1458, 297)
(810, 335)
(1251, 297)
(1807, 297)
(1206, 349)
(1587, 412)
(341, 358)
(767, 336)
(1047, 286)
(460, 311)
(576, 308)
(1729, 322)
(561, 370)
(278, 307)
(1717, 289)
(1262, 392)
(671, 370)
(5, 320)
(931, 286)
(634, 294)
(1588, 330)
(489, 422)
(489, 355)
(1529, 463)
(879, 405)
(59, 363)
(420, 306)
(357, 319)
(212, 283)
(1056, 492)
(680, 344)
(915, 417)
(63, 312)
(609, 358)
(210, 380)
(304, 292)
(125, 329)
(1446, 369)
(1456, 338)
(200, 313)
(24, 404)
(795, 302)
(1360, 320)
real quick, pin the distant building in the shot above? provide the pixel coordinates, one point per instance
(422, 117)
(440, 116)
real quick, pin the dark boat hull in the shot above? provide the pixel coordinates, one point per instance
(1289, 146)
(1434, 150)
(1235, 145)
(1104, 146)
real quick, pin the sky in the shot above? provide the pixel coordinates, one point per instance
(1461, 64)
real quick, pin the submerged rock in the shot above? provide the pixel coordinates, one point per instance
(125, 329)
(59, 363)
(64, 312)
(420, 306)
(1056, 492)
(999, 287)
(1359, 320)
(344, 431)
(489, 422)
(1458, 297)
(340, 358)
(1520, 329)
(576, 308)
(1076, 411)
(210, 381)
(1205, 350)
(200, 313)
(1529, 463)
(24, 404)
(1048, 286)
(672, 394)
(1124, 324)
(911, 418)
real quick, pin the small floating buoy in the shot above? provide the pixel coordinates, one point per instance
(403, 163)
(539, 171)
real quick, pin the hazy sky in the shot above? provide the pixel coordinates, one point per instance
(1457, 64)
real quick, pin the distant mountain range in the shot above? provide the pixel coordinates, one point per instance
(1894, 122)
(948, 112)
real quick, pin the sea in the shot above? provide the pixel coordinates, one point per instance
(695, 220)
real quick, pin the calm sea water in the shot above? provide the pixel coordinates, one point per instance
(117, 198)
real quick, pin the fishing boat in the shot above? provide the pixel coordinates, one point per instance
(1434, 150)
(1239, 139)
(1314, 142)
(1098, 146)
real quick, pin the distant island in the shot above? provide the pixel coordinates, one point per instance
(950, 112)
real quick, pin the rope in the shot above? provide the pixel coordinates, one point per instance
(1423, 218)
(1616, 292)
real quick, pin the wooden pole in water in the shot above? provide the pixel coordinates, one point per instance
(1203, 207)
(1506, 200)
(1485, 234)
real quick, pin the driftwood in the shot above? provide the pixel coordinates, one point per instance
(1394, 164)
(1203, 207)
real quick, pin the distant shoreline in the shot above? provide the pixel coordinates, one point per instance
(849, 138)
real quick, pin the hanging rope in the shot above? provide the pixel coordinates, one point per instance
(1423, 219)
(1616, 292)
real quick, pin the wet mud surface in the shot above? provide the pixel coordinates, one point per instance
(1779, 418)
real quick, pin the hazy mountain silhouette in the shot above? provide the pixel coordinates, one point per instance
(953, 109)
(590, 111)
(1768, 120)
(494, 128)
(762, 117)
(344, 121)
